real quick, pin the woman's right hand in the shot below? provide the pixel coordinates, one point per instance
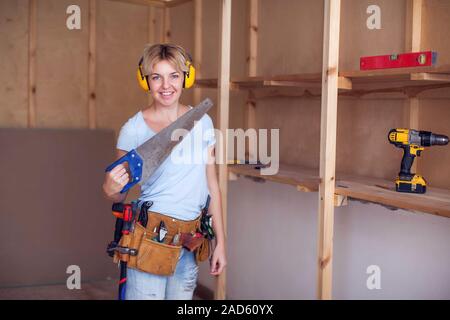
(115, 180)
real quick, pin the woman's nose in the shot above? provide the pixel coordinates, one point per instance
(166, 83)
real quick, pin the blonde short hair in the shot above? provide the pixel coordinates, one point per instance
(172, 53)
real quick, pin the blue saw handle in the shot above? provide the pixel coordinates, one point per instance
(135, 164)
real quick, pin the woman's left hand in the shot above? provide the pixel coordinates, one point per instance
(218, 261)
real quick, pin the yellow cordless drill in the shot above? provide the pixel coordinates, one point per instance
(413, 142)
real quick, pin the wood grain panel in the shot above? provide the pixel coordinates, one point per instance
(13, 63)
(61, 66)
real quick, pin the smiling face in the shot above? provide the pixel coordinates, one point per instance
(166, 83)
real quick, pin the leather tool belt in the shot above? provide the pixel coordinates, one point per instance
(143, 249)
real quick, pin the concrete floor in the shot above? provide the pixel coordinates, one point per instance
(96, 290)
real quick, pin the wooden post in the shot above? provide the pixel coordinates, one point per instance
(32, 12)
(224, 104)
(328, 146)
(413, 43)
(92, 114)
(250, 109)
(198, 16)
(413, 26)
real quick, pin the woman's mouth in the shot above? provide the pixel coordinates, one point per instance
(167, 94)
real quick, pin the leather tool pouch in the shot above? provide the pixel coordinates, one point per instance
(203, 251)
(156, 257)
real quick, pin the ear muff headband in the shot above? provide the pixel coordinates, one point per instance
(189, 75)
(142, 79)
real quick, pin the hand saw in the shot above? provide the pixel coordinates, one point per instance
(145, 159)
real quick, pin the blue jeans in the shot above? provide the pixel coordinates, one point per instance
(179, 286)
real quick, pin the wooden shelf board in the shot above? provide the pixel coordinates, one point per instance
(206, 83)
(434, 201)
(385, 73)
(381, 191)
(409, 81)
(156, 3)
(303, 179)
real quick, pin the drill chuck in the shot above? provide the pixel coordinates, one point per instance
(428, 139)
(438, 139)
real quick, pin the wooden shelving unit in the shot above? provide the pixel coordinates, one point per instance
(334, 189)
(381, 191)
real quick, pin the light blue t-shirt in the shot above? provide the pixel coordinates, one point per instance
(178, 188)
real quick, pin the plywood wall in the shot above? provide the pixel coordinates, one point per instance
(290, 36)
(61, 66)
(122, 30)
(13, 63)
(435, 162)
(436, 17)
(357, 40)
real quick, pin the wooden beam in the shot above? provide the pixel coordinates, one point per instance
(304, 189)
(198, 40)
(154, 3)
(345, 83)
(253, 38)
(207, 83)
(328, 146)
(440, 77)
(250, 108)
(175, 3)
(224, 105)
(340, 200)
(32, 17)
(304, 179)
(92, 112)
(277, 83)
(413, 37)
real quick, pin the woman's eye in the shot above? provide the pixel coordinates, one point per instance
(175, 76)
(154, 78)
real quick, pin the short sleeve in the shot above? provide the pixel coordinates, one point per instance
(209, 131)
(127, 137)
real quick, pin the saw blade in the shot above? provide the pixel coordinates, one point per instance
(158, 148)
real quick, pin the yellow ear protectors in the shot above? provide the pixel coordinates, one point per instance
(189, 75)
(142, 79)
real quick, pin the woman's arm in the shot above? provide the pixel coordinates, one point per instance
(218, 261)
(115, 180)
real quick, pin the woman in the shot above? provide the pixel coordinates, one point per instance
(178, 191)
